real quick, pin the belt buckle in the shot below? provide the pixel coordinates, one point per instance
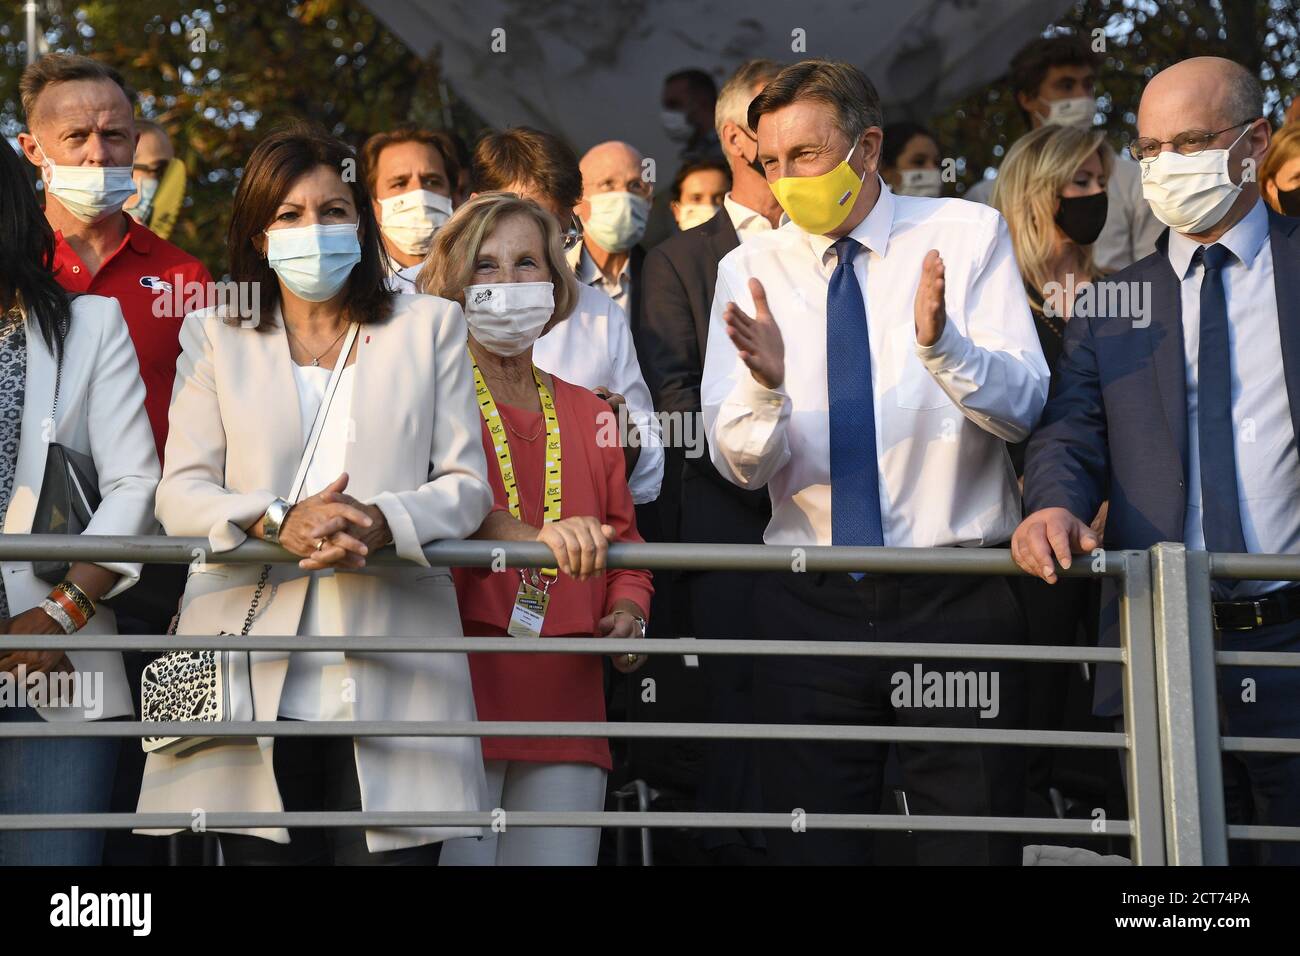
(1257, 607)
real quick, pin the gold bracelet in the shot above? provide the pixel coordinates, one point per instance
(78, 596)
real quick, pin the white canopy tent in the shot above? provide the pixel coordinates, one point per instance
(592, 70)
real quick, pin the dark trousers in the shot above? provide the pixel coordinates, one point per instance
(722, 604)
(1262, 788)
(834, 777)
(319, 773)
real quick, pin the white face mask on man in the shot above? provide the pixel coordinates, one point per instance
(618, 220)
(1190, 194)
(1077, 111)
(411, 219)
(506, 318)
(90, 193)
(927, 183)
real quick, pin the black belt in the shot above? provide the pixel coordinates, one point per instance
(1280, 607)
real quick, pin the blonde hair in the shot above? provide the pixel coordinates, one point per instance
(1284, 148)
(1027, 191)
(449, 267)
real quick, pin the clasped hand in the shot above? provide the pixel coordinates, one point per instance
(333, 529)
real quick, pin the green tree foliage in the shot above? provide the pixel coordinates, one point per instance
(1137, 39)
(218, 76)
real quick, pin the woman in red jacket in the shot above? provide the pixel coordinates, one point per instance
(556, 478)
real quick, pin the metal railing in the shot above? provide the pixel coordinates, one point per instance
(1171, 802)
(1195, 815)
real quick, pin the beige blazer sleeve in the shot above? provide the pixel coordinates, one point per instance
(457, 497)
(192, 497)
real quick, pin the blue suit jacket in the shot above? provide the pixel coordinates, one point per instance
(1115, 426)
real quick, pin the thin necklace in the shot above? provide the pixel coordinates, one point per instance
(316, 359)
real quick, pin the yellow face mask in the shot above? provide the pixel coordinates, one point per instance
(818, 204)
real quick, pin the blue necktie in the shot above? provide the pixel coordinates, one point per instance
(855, 475)
(1220, 510)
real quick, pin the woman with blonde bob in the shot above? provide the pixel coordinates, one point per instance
(1279, 174)
(557, 477)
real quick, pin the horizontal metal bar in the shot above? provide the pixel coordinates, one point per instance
(1261, 745)
(569, 645)
(1254, 831)
(1256, 567)
(684, 557)
(541, 728)
(1257, 658)
(537, 818)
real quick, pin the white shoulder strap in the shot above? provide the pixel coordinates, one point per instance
(318, 425)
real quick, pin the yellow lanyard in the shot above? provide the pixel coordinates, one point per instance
(497, 429)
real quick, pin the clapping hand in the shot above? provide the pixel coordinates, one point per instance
(758, 340)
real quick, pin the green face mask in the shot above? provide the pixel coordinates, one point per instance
(819, 204)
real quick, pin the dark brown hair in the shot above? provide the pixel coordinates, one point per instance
(275, 165)
(525, 155)
(441, 143)
(63, 68)
(1029, 66)
(842, 86)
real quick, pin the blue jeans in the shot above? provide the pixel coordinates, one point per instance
(67, 775)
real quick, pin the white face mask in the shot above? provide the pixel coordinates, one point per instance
(676, 125)
(411, 219)
(314, 261)
(1190, 194)
(90, 193)
(692, 214)
(1078, 111)
(507, 317)
(920, 182)
(617, 220)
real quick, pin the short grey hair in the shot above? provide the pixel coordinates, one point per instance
(840, 85)
(737, 93)
(1245, 96)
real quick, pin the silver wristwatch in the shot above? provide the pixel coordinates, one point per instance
(273, 520)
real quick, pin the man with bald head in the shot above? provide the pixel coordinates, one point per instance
(614, 208)
(1182, 409)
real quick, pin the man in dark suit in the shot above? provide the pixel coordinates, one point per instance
(677, 289)
(1194, 385)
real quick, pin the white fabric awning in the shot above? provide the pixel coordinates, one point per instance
(592, 71)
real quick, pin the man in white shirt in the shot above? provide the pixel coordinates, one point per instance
(1054, 79)
(592, 348)
(410, 175)
(867, 362)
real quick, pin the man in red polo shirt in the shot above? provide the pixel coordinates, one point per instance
(82, 136)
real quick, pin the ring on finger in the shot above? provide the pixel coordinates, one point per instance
(320, 544)
(632, 658)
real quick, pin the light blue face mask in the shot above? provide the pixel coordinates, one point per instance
(314, 261)
(142, 210)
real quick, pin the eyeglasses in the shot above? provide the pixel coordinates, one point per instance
(1190, 142)
(573, 235)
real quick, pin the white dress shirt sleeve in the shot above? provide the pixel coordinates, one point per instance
(995, 373)
(626, 379)
(745, 422)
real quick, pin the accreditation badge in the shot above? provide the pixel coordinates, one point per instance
(529, 610)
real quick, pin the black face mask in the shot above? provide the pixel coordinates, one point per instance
(754, 164)
(1081, 217)
(1289, 200)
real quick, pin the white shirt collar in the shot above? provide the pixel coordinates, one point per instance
(744, 219)
(872, 232)
(1244, 240)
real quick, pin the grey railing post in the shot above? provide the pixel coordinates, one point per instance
(1189, 726)
(1143, 753)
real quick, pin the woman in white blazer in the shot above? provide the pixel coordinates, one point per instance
(99, 413)
(398, 462)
